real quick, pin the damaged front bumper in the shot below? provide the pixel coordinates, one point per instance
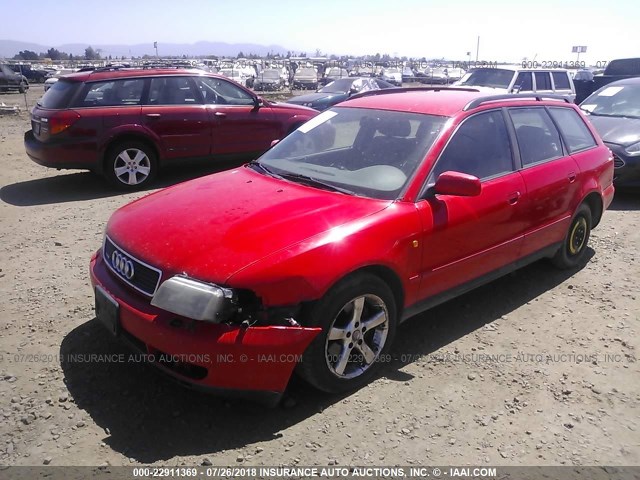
(230, 359)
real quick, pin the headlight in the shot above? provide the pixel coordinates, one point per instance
(194, 299)
(633, 150)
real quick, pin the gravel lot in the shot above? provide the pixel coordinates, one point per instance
(538, 368)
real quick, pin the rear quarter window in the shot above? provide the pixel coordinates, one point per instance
(543, 81)
(575, 133)
(111, 93)
(59, 95)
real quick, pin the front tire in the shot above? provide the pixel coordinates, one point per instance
(574, 248)
(131, 165)
(358, 317)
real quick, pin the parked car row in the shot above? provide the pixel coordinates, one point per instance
(345, 223)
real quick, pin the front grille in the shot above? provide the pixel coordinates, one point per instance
(617, 161)
(137, 274)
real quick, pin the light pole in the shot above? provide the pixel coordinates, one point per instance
(155, 45)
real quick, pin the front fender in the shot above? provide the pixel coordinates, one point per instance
(305, 271)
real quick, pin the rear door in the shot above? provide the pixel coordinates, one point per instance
(550, 175)
(468, 237)
(175, 114)
(239, 126)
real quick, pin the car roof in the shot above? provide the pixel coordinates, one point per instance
(439, 101)
(109, 74)
(625, 81)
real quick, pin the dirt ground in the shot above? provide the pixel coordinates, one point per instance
(538, 368)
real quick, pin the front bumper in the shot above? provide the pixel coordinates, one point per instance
(70, 154)
(254, 362)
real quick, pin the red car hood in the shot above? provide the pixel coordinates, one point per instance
(212, 227)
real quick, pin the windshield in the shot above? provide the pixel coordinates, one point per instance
(365, 152)
(338, 86)
(306, 72)
(274, 74)
(488, 77)
(614, 101)
(337, 73)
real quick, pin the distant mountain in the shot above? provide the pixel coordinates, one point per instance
(9, 48)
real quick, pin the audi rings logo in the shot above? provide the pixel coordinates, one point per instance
(122, 265)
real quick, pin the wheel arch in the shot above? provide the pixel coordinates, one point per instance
(388, 276)
(594, 201)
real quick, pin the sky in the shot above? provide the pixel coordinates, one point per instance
(544, 30)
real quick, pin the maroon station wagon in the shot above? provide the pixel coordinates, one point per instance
(126, 123)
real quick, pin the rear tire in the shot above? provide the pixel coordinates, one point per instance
(131, 165)
(574, 248)
(358, 317)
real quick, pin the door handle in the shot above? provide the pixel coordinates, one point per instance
(572, 177)
(220, 114)
(513, 198)
(153, 115)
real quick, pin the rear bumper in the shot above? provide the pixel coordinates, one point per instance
(75, 155)
(254, 362)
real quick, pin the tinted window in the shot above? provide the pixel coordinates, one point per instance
(479, 147)
(59, 95)
(221, 92)
(575, 132)
(109, 94)
(524, 81)
(172, 91)
(538, 139)
(561, 80)
(543, 81)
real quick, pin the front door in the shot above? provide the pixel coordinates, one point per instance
(239, 126)
(468, 237)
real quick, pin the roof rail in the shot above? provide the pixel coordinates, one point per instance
(513, 96)
(385, 91)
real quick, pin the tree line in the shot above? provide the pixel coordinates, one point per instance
(54, 54)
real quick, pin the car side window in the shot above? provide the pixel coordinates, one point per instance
(576, 134)
(172, 91)
(112, 93)
(561, 80)
(479, 147)
(524, 81)
(543, 81)
(220, 92)
(538, 139)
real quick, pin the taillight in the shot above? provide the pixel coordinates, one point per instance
(60, 121)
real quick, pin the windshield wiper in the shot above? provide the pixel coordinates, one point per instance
(315, 182)
(257, 166)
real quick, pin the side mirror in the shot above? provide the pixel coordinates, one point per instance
(258, 102)
(459, 184)
(274, 142)
(516, 89)
(353, 90)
